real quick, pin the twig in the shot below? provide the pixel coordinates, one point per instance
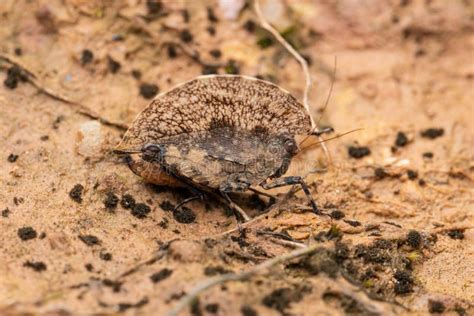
(207, 284)
(80, 108)
(304, 65)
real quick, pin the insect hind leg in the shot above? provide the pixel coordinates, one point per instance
(281, 182)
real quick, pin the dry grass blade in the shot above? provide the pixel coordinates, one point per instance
(304, 65)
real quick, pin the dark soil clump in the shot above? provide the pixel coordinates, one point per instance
(216, 270)
(148, 90)
(113, 65)
(248, 311)
(281, 299)
(141, 210)
(184, 215)
(76, 193)
(404, 282)
(456, 234)
(161, 275)
(107, 256)
(432, 133)
(12, 158)
(401, 140)
(127, 202)
(37, 266)
(111, 201)
(436, 307)
(86, 57)
(27, 233)
(414, 239)
(89, 240)
(358, 152)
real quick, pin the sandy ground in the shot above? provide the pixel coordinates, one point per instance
(404, 245)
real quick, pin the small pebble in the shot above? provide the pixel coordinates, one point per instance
(113, 65)
(12, 158)
(37, 266)
(358, 152)
(76, 193)
(148, 91)
(89, 240)
(436, 307)
(432, 133)
(27, 233)
(186, 36)
(87, 57)
(402, 140)
(140, 210)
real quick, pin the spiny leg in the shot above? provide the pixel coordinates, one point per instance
(280, 182)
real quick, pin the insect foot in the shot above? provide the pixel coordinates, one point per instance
(219, 134)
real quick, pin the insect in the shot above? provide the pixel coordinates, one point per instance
(220, 134)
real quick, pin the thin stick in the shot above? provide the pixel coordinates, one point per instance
(80, 108)
(207, 284)
(304, 65)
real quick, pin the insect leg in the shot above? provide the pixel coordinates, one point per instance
(237, 210)
(199, 196)
(280, 182)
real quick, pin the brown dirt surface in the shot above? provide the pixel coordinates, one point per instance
(81, 234)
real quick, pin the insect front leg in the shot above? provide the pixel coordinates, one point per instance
(198, 196)
(231, 186)
(281, 182)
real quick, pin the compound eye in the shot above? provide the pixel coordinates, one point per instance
(151, 152)
(151, 148)
(290, 145)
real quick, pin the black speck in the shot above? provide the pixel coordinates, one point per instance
(87, 57)
(89, 267)
(5, 212)
(209, 70)
(140, 210)
(250, 26)
(212, 308)
(412, 174)
(115, 285)
(166, 206)
(122, 307)
(111, 201)
(148, 90)
(154, 6)
(27, 233)
(216, 53)
(137, 74)
(401, 140)
(432, 133)
(358, 152)
(215, 270)
(113, 65)
(337, 214)
(18, 51)
(414, 239)
(211, 30)
(404, 282)
(172, 52)
(436, 307)
(184, 215)
(161, 275)
(106, 256)
(352, 223)
(127, 202)
(186, 36)
(12, 158)
(76, 193)
(211, 15)
(37, 266)
(428, 155)
(380, 173)
(44, 138)
(196, 308)
(89, 240)
(57, 121)
(456, 234)
(185, 15)
(421, 182)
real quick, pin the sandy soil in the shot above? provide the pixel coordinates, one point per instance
(404, 245)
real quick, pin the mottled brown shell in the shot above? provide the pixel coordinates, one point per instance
(215, 101)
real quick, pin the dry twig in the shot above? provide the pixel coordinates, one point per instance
(304, 65)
